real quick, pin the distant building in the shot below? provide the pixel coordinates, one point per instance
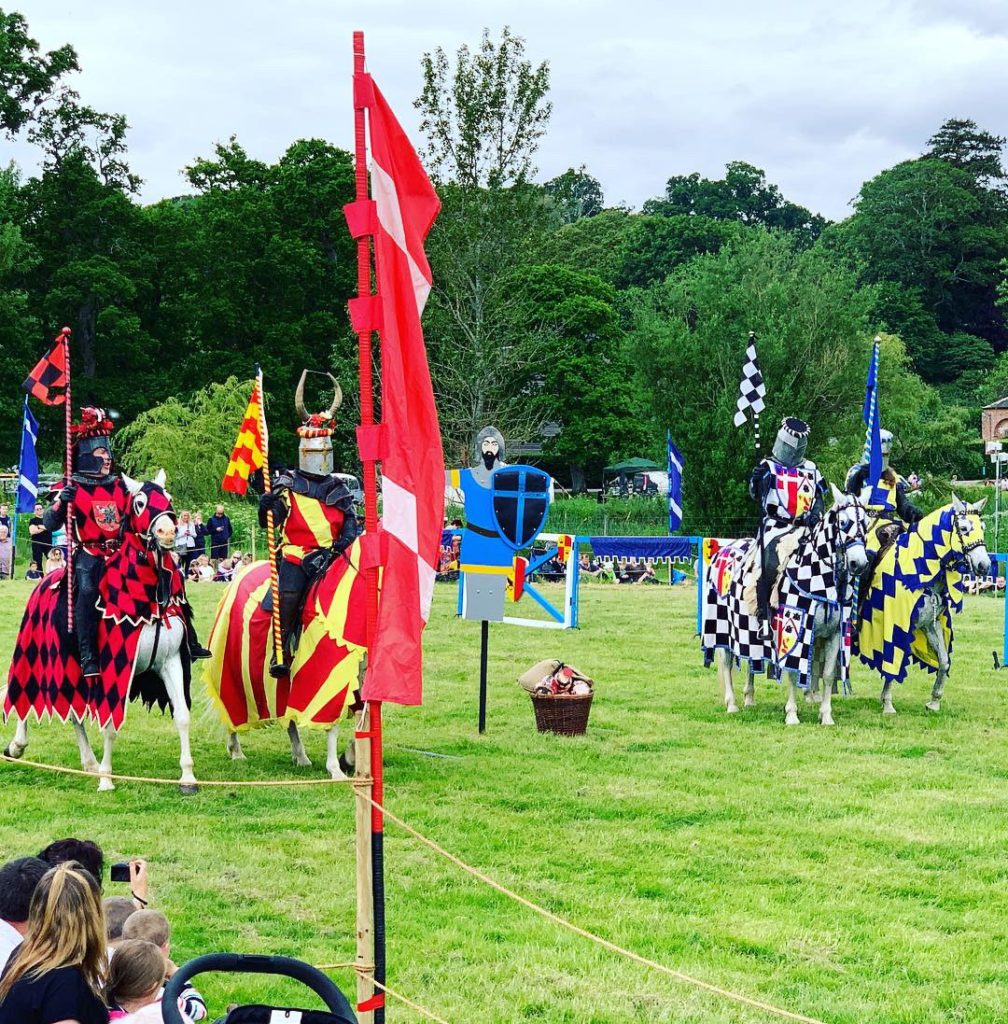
(994, 422)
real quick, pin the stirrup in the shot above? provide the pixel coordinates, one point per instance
(279, 669)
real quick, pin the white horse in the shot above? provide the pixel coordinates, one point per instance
(150, 538)
(819, 573)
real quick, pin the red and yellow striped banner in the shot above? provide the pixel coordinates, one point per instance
(249, 450)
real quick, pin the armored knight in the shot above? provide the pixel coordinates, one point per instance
(890, 509)
(789, 490)
(314, 513)
(100, 501)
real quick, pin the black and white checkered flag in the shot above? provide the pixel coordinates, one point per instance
(752, 390)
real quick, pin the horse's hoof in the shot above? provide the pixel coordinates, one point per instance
(792, 719)
(10, 753)
(933, 705)
(750, 702)
(188, 788)
(890, 710)
(826, 720)
(345, 766)
(105, 785)
(238, 755)
(732, 709)
(303, 762)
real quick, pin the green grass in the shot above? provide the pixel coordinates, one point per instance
(856, 874)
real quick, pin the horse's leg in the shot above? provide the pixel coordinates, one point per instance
(105, 783)
(749, 694)
(298, 754)
(936, 638)
(333, 765)
(829, 669)
(791, 707)
(234, 747)
(887, 704)
(723, 660)
(170, 670)
(87, 759)
(812, 695)
(19, 743)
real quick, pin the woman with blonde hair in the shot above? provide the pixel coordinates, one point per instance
(136, 983)
(55, 975)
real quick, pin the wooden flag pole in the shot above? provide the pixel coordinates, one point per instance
(278, 652)
(375, 1002)
(65, 335)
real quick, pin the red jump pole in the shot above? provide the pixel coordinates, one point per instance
(364, 354)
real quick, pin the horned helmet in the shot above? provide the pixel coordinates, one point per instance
(315, 451)
(92, 442)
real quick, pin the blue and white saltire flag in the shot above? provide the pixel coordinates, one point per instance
(873, 435)
(675, 471)
(27, 493)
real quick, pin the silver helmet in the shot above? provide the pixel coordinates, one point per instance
(791, 441)
(484, 449)
(315, 451)
(886, 440)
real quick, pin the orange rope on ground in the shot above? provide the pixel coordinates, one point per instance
(687, 979)
(63, 770)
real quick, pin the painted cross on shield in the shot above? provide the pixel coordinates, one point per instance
(521, 497)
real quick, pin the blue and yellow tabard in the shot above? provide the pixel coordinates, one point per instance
(483, 549)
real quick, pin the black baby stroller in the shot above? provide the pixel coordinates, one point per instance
(338, 1012)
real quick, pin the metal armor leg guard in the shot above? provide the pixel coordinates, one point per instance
(196, 649)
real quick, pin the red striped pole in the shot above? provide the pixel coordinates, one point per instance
(364, 355)
(278, 651)
(68, 416)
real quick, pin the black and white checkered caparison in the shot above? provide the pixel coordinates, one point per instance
(752, 390)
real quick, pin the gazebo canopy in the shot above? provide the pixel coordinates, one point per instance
(632, 466)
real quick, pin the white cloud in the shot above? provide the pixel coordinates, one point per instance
(820, 97)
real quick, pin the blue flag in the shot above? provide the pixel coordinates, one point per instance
(27, 493)
(873, 435)
(675, 471)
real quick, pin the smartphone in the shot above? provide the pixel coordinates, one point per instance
(120, 872)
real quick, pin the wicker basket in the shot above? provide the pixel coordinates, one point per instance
(563, 713)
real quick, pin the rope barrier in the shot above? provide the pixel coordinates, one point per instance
(64, 770)
(680, 976)
(360, 784)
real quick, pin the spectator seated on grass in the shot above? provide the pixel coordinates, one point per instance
(55, 975)
(18, 881)
(152, 926)
(136, 983)
(34, 572)
(201, 571)
(589, 566)
(648, 575)
(225, 570)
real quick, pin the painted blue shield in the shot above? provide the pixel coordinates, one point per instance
(521, 496)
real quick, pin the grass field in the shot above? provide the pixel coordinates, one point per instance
(857, 874)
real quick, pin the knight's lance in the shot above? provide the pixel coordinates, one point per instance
(65, 335)
(764, 584)
(270, 535)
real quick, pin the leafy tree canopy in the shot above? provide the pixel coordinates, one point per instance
(576, 194)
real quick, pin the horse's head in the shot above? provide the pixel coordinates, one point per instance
(968, 535)
(151, 516)
(851, 526)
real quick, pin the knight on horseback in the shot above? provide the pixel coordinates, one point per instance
(890, 510)
(100, 499)
(790, 492)
(314, 512)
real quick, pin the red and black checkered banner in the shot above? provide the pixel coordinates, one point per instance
(48, 380)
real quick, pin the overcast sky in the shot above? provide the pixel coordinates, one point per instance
(820, 95)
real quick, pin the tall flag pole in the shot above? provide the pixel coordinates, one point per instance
(675, 475)
(28, 473)
(872, 453)
(752, 391)
(407, 442)
(49, 382)
(251, 452)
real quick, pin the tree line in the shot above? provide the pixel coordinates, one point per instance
(588, 328)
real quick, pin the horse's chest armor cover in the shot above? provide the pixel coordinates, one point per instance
(793, 490)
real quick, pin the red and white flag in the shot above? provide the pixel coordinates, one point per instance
(412, 464)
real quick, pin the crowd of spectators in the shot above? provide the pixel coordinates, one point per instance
(68, 956)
